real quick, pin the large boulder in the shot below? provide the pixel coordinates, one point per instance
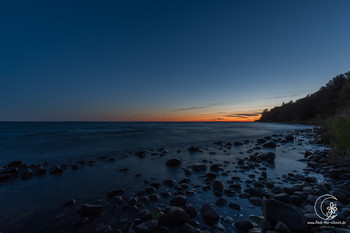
(179, 200)
(275, 211)
(178, 216)
(209, 215)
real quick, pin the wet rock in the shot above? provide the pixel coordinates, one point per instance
(243, 225)
(228, 220)
(210, 175)
(310, 179)
(154, 197)
(82, 222)
(221, 202)
(150, 189)
(218, 186)
(335, 172)
(274, 211)
(169, 182)
(140, 154)
(258, 230)
(234, 205)
(296, 200)
(255, 201)
(345, 211)
(260, 140)
(209, 215)
(144, 215)
(281, 227)
(269, 144)
(56, 170)
(187, 228)
(147, 226)
(229, 192)
(307, 154)
(155, 185)
(214, 168)
(178, 216)
(218, 227)
(289, 138)
(15, 164)
(116, 192)
(237, 143)
(90, 211)
(191, 211)
(199, 167)
(117, 199)
(193, 149)
(71, 202)
(254, 192)
(179, 200)
(165, 194)
(282, 197)
(340, 196)
(268, 157)
(173, 162)
(104, 229)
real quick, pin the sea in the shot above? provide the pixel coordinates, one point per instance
(30, 204)
(36, 142)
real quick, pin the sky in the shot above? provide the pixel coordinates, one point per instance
(180, 60)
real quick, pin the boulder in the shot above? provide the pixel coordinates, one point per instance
(179, 200)
(268, 157)
(274, 211)
(191, 210)
(243, 225)
(178, 216)
(281, 227)
(209, 215)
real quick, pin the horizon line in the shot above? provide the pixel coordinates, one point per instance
(86, 121)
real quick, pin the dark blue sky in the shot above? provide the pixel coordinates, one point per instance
(165, 60)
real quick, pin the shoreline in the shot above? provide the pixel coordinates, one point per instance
(229, 185)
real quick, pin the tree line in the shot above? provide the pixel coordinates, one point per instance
(328, 101)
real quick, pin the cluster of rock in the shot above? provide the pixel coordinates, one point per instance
(286, 203)
(18, 169)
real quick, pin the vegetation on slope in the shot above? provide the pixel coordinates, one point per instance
(329, 107)
(326, 102)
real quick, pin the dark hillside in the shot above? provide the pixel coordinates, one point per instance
(326, 102)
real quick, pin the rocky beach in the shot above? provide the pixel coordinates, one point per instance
(264, 184)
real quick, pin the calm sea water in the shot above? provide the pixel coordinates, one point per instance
(36, 201)
(59, 142)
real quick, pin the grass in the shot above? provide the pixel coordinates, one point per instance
(336, 133)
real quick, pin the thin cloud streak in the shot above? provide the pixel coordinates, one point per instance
(194, 108)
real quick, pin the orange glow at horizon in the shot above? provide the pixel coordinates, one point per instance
(154, 117)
